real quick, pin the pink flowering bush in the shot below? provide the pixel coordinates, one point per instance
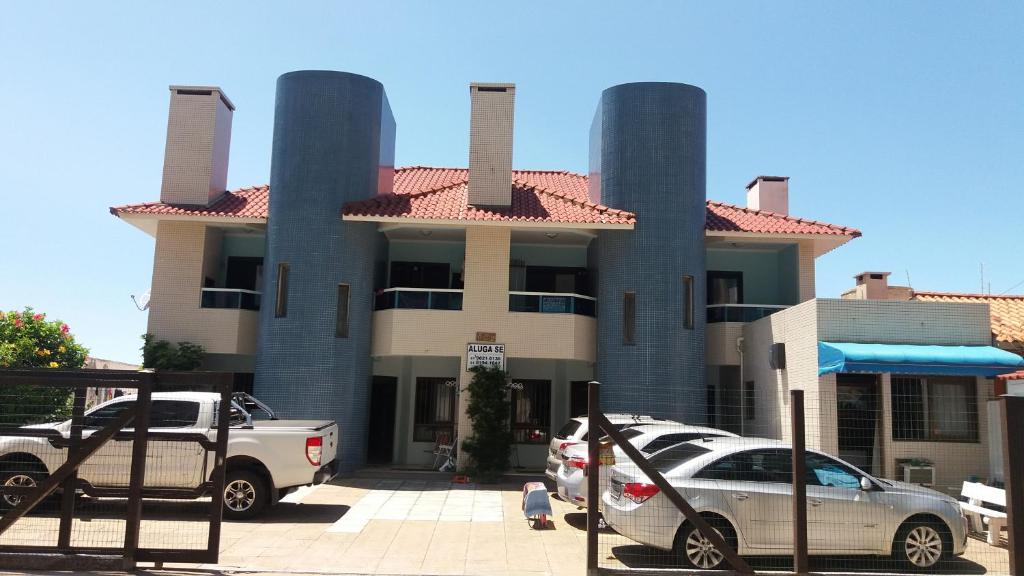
(29, 340)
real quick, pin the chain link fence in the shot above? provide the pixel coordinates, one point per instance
(898, 474)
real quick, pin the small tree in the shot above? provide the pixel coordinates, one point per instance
(488, 410)
(162, 355)
(29, 340)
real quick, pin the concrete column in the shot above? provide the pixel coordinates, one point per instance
(485, 301)
(806, 263)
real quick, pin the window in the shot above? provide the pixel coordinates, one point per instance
(341, 323)
(749, 397)
(629, 318)
(934, 408)
(725, 287)
(627, 434)
(688, 302)
(568, 430)
(774, 465)
(281, 298)
(173, 414)
(435, 409)
(824, 471)
(531, 411)
(666, 440)
(668, 460)
(103, 416)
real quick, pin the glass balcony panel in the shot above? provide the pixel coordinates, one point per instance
(551, 303)
(230, 298)
(740, 312)
(418, 299)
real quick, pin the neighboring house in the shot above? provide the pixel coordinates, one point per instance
(1007, 311)
(94, 396)
(360, 292)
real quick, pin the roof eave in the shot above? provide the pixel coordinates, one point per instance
(497, 223)
(148, 222)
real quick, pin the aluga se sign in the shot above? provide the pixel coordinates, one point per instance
(490, 355)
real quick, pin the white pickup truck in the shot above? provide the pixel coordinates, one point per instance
(265, 458)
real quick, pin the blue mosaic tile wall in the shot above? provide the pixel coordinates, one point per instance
(648, 156)
(334, 138)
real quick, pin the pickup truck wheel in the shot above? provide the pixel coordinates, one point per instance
(245, 495)
(18, 474)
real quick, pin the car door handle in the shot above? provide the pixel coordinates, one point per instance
(814, 501)
(740, 496)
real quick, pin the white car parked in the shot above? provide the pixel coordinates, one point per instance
(265, 458)
(575, 432)
(648, 438)
(742, 487)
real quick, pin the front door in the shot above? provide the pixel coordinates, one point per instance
(381, 440)
(578, 398)
(857, 418)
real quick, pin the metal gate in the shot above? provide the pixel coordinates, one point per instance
(76, 536)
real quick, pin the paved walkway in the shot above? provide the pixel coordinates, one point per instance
(406, 527)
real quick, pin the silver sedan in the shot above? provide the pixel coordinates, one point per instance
(742, 486)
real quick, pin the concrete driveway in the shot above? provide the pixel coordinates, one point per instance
(427, 526)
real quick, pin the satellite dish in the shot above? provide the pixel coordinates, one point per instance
(142, 302)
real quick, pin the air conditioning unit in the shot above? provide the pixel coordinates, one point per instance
(923, 475)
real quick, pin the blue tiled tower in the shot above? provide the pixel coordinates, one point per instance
(648, 156)
(334, 141)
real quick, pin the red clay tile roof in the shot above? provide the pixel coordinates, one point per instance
(724, 217)
(242, 203)
(537, 196)
(1007, 314)
(440, 194)
(1018, 375)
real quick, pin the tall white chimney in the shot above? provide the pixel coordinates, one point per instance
(490, 144)
(198, 142)
(769, 193)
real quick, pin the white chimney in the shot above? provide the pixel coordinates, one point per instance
(490, 144)
(198, 141)
(769, 193)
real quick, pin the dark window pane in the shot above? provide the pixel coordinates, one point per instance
(107, 414)
(907, 409)
(671, 458)
(173, 414)
(568, 430)
(666, 440)
(629, 318)
(281, 303)
(531, 411)
(434, 417)
(688, 302)
(341, 328)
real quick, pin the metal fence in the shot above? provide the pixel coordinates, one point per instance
(127, 481)
(901, 475)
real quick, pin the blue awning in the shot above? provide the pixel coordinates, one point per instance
(915, 359)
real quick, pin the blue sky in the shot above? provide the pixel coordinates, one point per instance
(902, 119)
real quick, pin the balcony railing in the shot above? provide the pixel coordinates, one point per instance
(231, 298)
(552, 303)
(740, 312)
(419, 299)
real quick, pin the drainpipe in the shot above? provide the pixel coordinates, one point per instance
(743, 397)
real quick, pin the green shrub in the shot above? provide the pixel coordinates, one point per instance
(491, 444)
(162, 355)
(28, 340)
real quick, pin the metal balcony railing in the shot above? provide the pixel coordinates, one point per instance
(741, 312)
(231, 298)
(552, 303)
(418, 299)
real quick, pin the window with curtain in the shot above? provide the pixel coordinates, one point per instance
(531, 411)
(435, 412)
(934, 408)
